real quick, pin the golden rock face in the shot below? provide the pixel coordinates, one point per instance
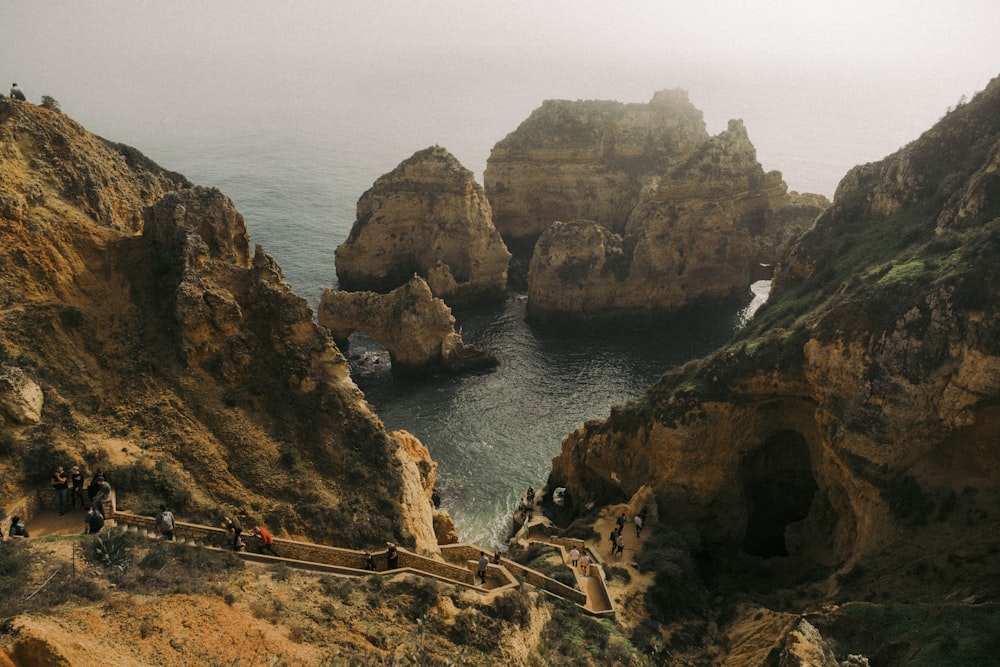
(160, 341)
(684, 216)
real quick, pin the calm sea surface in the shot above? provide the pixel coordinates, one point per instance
(493, 434)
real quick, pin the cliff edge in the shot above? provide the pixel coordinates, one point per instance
(170, 355)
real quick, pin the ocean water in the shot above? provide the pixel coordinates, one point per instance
(492, 434)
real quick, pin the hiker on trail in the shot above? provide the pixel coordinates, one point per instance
(76, 487)
(638, 524)
(585, 565)
(234, 526)
(61, 487)
(496, 557)
(93, 522)
(615, 532)
(392, 556)
(16, 93)
(165, 523)
(619, 545)
(103, 494)
(574, 556)
(370, 562)
(484, 563)
(17, 528)
(266, 539)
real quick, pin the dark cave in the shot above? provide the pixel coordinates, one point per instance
(778, 487)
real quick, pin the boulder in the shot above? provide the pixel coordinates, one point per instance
(428, 216)
(20, 397)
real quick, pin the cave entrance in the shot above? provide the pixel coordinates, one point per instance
(778, 487)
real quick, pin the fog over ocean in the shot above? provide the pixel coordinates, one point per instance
(294, 109)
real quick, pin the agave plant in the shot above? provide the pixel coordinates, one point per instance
(112, 549)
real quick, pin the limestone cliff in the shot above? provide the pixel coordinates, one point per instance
(416, 328)
(428, 216)
(678, 216)
(170, 355)
(846, 442)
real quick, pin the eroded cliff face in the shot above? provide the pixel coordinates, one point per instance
(428, 217)
(416, 328)
(848, 438)
(171, 356)
(677, 216)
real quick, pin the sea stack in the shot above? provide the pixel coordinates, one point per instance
(428, 217)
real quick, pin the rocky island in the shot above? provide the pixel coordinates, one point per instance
(625, 210)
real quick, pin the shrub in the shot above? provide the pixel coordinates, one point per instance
(50, 103)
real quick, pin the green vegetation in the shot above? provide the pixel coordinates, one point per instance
(919, 635)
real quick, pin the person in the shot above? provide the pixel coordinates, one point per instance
(17, 528)
(165, 523)
(76, 487)
(234, 526)
(392, 556)
(619, 544)
(93, 522)
(496, 557)
(621, 521)
(638, 524)
(615, 532)
(266, 539)
(370, 561)
(585, 565)
(61, 487)
(103, 494)
(95, 484)
(484, 563)
(16, 93)
(574, 556)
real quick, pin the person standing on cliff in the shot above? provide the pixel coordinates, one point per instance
(16, 93)
(61, 487)
(484, 563)
(76, 487)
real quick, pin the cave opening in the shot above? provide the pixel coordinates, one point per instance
(778, 487)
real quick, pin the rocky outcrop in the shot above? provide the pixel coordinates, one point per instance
(21, 398)
(832, 442)
(135, 303)
(416, 328)
(675, 216)
(428, 216)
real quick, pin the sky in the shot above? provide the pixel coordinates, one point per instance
(820, 85)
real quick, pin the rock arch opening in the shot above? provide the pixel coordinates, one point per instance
(778, 487)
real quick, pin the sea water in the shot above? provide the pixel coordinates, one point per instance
(493, 434)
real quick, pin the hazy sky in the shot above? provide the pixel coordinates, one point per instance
(818, 83)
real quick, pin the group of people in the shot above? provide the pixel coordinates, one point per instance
(235, 532)
(68, 491)
(527, 505)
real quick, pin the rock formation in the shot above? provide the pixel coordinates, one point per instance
(674, 216)
(416, 328)
(21, 398)
(846, 442)
(427, 216)
(170, 353)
